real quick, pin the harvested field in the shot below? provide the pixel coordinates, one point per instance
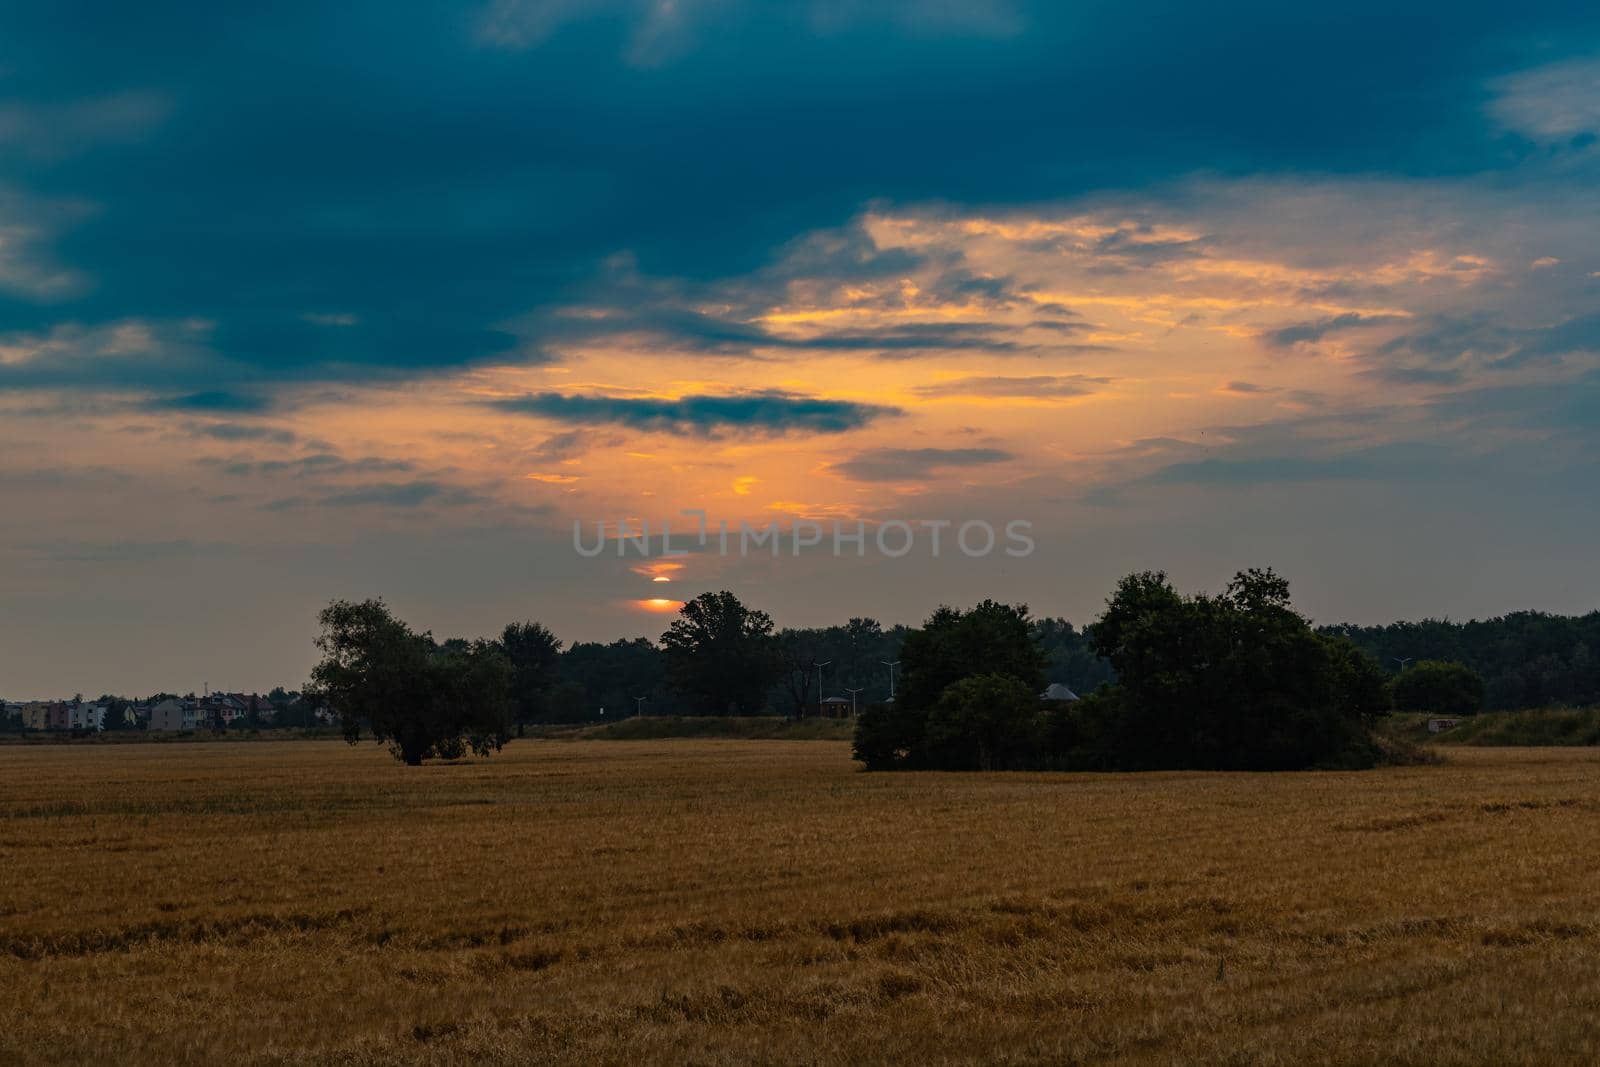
(733, 901)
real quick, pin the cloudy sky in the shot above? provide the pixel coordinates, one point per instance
(346, 300)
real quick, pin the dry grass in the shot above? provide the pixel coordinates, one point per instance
(736, 901)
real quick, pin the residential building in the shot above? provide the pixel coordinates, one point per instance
(173, 716)
(86, 717)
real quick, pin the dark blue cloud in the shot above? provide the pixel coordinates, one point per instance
(279, 170)
(1436, 352)
(1556, 409)
(772, 412)
(1034, 385)
(402, 495)
(712, 335)
(214, 400)
(1316, 329)
(233, 431)
(909, 464)
(1580, 334)
(319, 464)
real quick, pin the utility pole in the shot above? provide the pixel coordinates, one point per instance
(821, 665)
(853, 712)
(891, 667)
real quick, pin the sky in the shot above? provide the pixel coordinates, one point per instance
(310, 301)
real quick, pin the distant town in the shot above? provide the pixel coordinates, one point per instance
(165, 713)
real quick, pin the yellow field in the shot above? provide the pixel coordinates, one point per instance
(735, 901)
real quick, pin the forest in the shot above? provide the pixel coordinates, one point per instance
(1526, 659)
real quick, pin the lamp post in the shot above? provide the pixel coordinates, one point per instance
(1403, 661)
(891, 667)
(821, 665)
(853, 692)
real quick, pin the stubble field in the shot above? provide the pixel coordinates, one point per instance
(737, 901)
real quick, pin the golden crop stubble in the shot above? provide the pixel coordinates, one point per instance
(727, 901)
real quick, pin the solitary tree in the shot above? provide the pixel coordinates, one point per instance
(722, 653)
(423, 699)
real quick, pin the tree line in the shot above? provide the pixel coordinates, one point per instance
(429, 698)
(1527, 659)
(1235, 680)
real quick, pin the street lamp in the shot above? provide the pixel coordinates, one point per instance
(891, 667)
(852, 692)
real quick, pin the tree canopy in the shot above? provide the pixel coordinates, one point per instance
(992, 639)
(534, 656)
(426, 700)
(1235, 681)
(1437, 686)
(1527, 659)
(722, 654)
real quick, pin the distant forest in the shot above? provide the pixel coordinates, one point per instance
(1527, 660)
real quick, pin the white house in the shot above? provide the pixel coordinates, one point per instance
(172, 716)
(86, 717)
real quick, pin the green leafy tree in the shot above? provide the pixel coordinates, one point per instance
(1236, 681)
(116, 712)
(1437, 686)
(567, 703)
(890, 735)
(299, 713)
(1527, 659)
(856, 656)
(1071, 658)
(424, 699)
(985, 722)
(991, 639)
(534, 654)
(797, 655)
(722, 654)
(612, 676)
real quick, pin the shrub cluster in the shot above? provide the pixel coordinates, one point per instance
(1237, 681)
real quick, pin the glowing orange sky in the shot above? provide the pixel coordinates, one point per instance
(1111, 345)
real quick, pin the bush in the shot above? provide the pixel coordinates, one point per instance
(889, 736)
(1440, 687)
(987, 722)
